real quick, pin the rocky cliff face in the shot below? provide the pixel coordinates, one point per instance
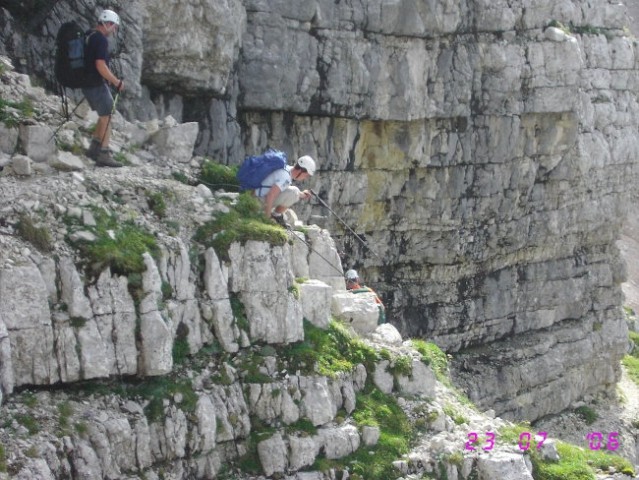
(482, 149)
(130, 349)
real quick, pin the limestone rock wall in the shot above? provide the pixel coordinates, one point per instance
(59, 325)
(485, 160)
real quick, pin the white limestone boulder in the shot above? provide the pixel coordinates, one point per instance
(21, 165)
(299, 255)
(176, 142)
(272, 453)
(8, 139)
(260, 274)
(323, 260)
(315, 297)
(382, 378)
(203, 438)
(218, 310)
(317, 402)
(66, 161)
(37, 143)
(24, 309)
(156, 335)
(370, 435)
(502, 465)
(302, 451)
(422, 380)
(6, 368)
(357, 310)
(339, 442)
(387, 334)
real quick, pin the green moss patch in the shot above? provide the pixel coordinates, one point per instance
(12, 113)
(119, 246)
(434, 357)
(219, 177)
(328, 352)
(157, 203)
(375, 463)
(577, 464)
(154, 390)
(631, 362)
(632, 366)
(29, 422)
(587, 414)
(3, 460)
(38, 236)
(245, 221)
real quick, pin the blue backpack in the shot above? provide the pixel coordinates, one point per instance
(256, 168)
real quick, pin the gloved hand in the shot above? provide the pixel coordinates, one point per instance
(279, 219)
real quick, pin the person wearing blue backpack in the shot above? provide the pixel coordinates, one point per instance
(277, 192)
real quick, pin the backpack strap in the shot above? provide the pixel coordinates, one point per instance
(269, 186)
(87, 36)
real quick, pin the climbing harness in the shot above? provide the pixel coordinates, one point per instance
(345, 224)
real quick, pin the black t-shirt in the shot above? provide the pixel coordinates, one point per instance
(97, 49)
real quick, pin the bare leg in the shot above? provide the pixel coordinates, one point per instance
(103, 131)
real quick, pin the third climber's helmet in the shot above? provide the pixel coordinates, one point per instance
(351, 275)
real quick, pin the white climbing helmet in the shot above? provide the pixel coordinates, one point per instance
(308, 163)
(109, 16)
(351, 275)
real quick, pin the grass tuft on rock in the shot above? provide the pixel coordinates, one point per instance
(219, 177)
(119, 246)
(631, 361)
(38, 236)
(587, 414)
(375, 409)
(328, 352)
(13, 113)
(434, 357)
(123, 252)
(3, 460)
(245, 221)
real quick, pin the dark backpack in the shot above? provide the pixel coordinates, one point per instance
(255, 169)
(70, 70)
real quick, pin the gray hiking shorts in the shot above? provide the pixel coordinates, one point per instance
(100, 99)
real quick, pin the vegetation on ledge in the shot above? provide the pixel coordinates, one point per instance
(243, 222)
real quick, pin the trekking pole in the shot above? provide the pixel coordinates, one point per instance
(315, 251)
(115, 101)
(68, 117)
(345, 224)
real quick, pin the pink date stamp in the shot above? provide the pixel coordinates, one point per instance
(486, 441)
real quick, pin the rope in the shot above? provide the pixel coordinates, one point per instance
(315, 251)
(346, 225)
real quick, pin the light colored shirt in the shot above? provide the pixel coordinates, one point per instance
(282, 178)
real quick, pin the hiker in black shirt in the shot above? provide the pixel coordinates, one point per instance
(99, 96)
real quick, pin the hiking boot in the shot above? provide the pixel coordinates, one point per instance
(93, 149)
(279, 218)
(105, 159)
